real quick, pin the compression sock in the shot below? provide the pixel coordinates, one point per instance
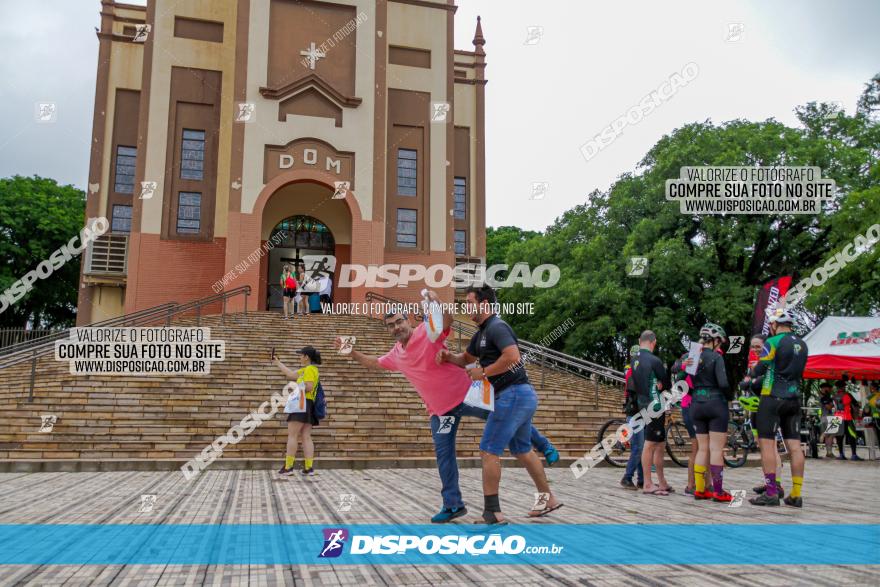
(717, 477)
(700, 478)
(796, 483)
(770, 484)
(288, 462)
(309, 463)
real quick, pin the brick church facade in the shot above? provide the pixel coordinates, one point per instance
(350, 128)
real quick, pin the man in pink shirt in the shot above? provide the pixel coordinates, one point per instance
(443, 388)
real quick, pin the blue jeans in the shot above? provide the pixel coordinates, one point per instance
(634, 464)
(510, 425)
(443, 430)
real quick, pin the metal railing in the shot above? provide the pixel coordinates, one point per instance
(162, 314)
(11, 336)
(532, 353)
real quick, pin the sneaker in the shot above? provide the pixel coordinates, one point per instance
(698, 495)
(689, 490)
(308, 472)
(723, 496)
(628, 484)
(762, 488)
(448, 514)
(841, 457)
(640, 484)
(856, 458)
(285, 471)
(795, 502)
(765, 499)
(552, 455)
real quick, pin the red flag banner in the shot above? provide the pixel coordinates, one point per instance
(769, 295)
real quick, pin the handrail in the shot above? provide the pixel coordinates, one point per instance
(29, 345)
(547, 356)
(31, 350)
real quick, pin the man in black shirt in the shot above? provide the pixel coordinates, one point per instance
(494, 346)
(648, 376)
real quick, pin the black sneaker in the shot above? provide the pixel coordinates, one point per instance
(285, 471)
(856, 458)
(841, 457)
(762, 488)
(765, 499)
(640, 484)
(795, 502)
(628, 484)
(308, 472)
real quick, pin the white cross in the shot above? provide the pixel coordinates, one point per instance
(313, 54)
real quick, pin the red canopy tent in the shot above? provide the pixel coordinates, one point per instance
(844, 345)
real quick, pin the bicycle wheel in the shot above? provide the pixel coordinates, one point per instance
(678, 444)
(737, 449)
(620, 451)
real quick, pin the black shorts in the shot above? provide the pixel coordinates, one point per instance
(655, 430)
(289, 292)
(710, 416)
(784, 412)
(307, 417)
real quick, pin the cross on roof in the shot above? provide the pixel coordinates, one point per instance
(312, 54)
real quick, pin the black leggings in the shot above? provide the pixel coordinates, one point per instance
(849, 432)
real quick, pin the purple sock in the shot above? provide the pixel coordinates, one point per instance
(717, 477)
(770, 483)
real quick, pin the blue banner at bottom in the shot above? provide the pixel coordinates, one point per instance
(542, 544)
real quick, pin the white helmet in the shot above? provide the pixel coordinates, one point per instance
(781, 316)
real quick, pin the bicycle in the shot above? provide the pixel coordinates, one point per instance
(619, 453)
(740, 434)
(678, 441)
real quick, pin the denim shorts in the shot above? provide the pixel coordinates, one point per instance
(510, 425)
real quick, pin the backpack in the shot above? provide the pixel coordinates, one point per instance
(320, 403)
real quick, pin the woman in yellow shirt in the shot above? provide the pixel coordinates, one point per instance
(299, 425)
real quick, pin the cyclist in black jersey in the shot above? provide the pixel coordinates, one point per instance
(648, 375)
(782, 364)
(710, 414)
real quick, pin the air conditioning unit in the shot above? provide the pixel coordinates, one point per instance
(108, 254)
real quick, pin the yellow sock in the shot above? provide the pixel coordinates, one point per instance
(309, 463)
(288, 462)
(700, 477)
(796, 483)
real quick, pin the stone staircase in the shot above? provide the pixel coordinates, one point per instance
(160, 422)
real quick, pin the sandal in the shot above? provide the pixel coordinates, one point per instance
(543, 512)
(668, 490)
(656, 491)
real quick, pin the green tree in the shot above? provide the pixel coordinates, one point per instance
(705, 267)
(38, 216)
(499, 241)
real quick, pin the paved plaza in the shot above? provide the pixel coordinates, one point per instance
(835, 493)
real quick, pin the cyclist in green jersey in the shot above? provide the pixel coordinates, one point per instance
(782, 364)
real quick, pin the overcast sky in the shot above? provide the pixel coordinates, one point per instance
(590, 63)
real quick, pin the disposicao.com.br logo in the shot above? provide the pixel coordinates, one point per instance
(403, 544)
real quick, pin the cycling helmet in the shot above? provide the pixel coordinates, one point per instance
(710, 330)
(781, 316)
(749, 402)
(634, 350)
